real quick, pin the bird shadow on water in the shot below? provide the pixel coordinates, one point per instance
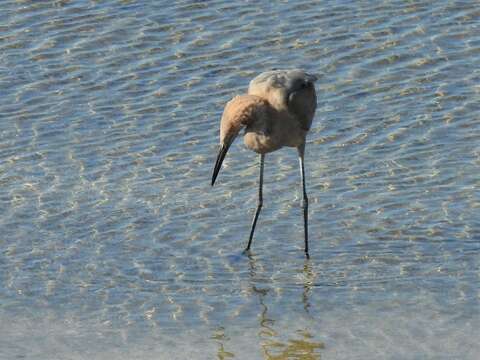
(273, 344)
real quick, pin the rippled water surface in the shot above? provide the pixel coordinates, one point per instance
(114, 245)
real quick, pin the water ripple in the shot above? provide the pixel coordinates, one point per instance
(109, 123)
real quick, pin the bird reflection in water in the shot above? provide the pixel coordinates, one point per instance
(220, 338)
(272, 344)
(308, 280)
(304, 347)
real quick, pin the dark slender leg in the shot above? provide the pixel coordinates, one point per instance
(301, 151)
(259, 204)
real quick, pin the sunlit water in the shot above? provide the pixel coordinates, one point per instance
(114, 245)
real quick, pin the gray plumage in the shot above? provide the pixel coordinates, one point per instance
(283, 89)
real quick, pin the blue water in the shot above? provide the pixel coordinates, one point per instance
(114, 245)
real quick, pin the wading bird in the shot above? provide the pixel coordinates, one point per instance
(277, 111)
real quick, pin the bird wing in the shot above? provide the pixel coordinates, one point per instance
(291, 89)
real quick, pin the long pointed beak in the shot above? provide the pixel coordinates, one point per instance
(218, 163)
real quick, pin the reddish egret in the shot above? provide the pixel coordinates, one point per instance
(277, 111)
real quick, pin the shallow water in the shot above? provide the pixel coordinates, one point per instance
(113, 243)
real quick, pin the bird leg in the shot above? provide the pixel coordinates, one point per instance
(259, 204)
(301, 151)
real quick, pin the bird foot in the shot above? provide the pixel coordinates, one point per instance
(247, 252)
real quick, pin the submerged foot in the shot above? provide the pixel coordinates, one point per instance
(247, 252)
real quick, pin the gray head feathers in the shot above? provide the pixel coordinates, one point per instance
(287, 79)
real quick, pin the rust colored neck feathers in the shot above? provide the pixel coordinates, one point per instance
(239, 112)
